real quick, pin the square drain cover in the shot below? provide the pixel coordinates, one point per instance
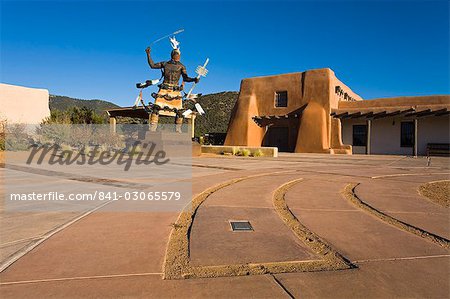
(241, 225)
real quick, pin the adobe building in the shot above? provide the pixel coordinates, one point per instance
(23, 105)
(314, 112)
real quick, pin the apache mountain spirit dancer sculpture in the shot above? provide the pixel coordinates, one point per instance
(170, 97)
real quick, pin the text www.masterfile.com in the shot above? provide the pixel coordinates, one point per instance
(97, 195)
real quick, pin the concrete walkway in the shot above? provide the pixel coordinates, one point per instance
(121, 254)
(401, 200)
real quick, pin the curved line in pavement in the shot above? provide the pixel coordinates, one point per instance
(334, 260)
(176, 260)
(350, 194)
(177, 265)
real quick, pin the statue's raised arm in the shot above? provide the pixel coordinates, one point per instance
(153, 65)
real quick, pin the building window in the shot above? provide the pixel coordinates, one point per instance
(407, 134)
(359, 135)
(281, 99)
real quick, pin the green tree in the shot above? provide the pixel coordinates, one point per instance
(85, 115)
(75, 115)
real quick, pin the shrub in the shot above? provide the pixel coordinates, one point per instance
(245, 152)
(17, 137)
(2, 134)
(258, 153)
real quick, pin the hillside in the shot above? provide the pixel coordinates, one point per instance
(63, 103)
(218, 108)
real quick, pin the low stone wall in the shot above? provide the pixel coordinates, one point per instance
(233, 150)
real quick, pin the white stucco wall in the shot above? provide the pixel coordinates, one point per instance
(432, 130)
(385, 137)
(23, 105)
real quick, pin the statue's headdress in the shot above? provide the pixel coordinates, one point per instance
(175, 45)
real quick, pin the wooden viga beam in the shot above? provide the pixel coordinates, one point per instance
(341, 115)
(442, 112)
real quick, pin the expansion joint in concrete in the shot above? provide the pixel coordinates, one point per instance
(281, 286)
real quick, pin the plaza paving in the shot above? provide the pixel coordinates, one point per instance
(111, 254)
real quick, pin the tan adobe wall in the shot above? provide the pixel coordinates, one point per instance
(317, 132)
(23, 105)
(256, 97)
(345, 94)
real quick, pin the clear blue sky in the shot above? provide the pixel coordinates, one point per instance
(89, 50)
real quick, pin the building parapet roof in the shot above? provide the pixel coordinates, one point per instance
(389, 112)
